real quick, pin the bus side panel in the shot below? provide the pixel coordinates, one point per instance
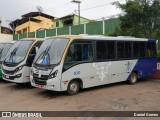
(26, 74)
(146, 67)
(99, 73)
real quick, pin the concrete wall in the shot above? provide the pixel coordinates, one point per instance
(6, 38)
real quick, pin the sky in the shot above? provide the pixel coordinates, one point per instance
(11, 10)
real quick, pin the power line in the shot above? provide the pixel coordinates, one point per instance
(96, 6)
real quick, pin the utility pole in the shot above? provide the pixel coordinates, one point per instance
(77, 2)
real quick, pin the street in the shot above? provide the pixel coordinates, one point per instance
(143, 96)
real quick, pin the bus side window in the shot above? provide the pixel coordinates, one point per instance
(110, 49)
(78, 52)
(101, 50)
(120, 49)
(151, 49)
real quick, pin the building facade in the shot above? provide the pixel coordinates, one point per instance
(32, 22)
(69, 20)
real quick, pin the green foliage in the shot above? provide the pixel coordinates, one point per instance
(141, 18)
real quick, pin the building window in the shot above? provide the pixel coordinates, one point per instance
(68, 22)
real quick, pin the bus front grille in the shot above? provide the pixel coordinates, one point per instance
(40, 80)
(8, 72)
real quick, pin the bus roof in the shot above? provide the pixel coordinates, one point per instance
(8, 42)
(35, 39)
(101, 37)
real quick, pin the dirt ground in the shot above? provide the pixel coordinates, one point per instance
(143, 96)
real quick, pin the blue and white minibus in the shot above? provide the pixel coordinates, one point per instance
(70, 62)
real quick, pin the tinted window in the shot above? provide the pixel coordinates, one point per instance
(151, 49)
(120, 49)
(135, 49)
(142, 49)
(128, 49)
(139, 49)
(79, 52)
(101, 50)
(110, 46)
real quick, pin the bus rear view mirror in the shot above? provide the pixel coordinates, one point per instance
(36, 48)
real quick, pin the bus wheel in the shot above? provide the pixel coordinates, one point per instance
(73, 88)
(133, 79)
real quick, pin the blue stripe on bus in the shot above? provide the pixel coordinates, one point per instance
(145, 67)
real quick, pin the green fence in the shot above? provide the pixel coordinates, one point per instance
(77, 29)
(63, 31)
(15, 37)
(31, 35)
(92, 28)
(51, 32)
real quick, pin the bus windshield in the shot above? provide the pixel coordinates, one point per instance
(4, 50)
(51, 51)
(1, 46)
(18, 51)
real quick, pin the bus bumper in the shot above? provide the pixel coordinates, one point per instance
(52, 84)
(18, 78)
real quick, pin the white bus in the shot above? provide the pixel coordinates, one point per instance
(4, 48)
(17, 64)
(68, 63)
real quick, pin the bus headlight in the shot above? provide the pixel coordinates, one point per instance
(53, 75)
(19, 68)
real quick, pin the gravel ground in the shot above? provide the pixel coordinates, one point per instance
(143, 96)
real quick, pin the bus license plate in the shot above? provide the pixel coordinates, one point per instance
(39, 86)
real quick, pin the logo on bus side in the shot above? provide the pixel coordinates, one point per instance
(102, 69)
(77, 72)
(128, 66)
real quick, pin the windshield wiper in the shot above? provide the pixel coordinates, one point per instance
(14, 51)
(44, 53)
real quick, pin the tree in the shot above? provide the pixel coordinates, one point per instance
(141, 18)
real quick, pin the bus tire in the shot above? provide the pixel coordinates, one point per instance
(73, 87)
(133, 79)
